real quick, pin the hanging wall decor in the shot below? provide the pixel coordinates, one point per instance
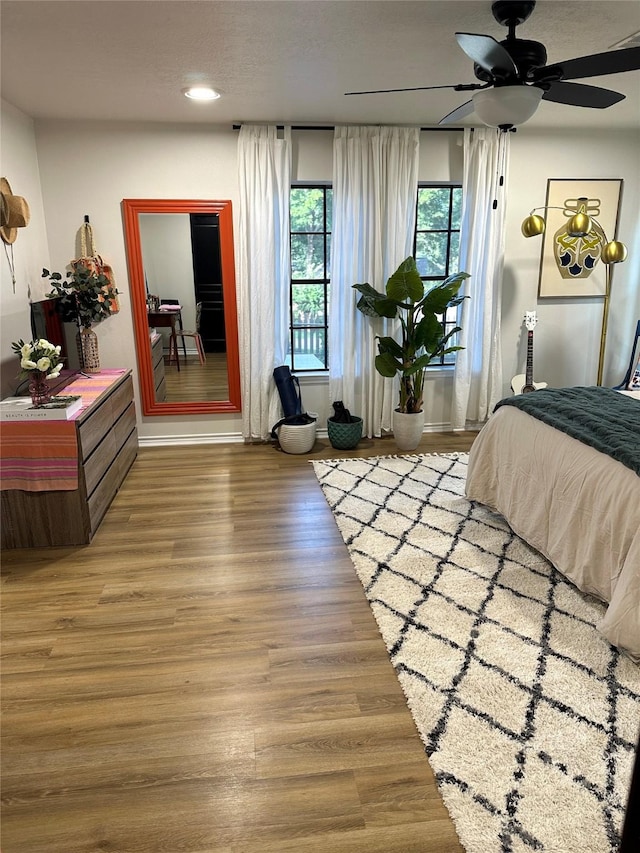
(570, 266)
(14, 214)
(90, 260)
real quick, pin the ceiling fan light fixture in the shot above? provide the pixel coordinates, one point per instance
(201, 93)
(506, 105)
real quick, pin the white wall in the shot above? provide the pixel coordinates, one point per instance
(30, 251)
(89, 167)
(567, 337)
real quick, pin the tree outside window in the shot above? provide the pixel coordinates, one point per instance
(310, 216)
(437, 241)
(436, 250)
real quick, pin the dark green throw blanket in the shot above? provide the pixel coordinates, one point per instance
(600, 417)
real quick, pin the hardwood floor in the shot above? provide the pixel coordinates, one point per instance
(195, 381)
(207, 675)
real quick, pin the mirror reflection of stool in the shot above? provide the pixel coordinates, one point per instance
(188, 333)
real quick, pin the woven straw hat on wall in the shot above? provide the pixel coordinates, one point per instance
(14, 213)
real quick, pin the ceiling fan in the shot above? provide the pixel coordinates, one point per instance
(515, 76)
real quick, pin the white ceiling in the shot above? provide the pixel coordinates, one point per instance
(285, 61)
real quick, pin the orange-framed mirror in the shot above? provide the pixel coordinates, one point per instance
(141, 220)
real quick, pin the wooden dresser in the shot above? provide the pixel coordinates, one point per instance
(157, 359)
(107, 446)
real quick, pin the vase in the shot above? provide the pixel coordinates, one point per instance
(87, 342)
(407, 429)
(39, 388)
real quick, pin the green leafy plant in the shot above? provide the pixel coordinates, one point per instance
(85, 295)
(422, 333)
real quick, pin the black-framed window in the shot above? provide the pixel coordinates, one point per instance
(436, 250)
(310, 234)
(436, 245)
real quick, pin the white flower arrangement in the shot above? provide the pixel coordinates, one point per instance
(38, 356)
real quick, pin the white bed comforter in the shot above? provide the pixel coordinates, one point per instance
(577, 506)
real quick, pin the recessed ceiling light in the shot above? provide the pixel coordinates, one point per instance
(201, 93)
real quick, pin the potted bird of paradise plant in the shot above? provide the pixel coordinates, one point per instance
(422, 338)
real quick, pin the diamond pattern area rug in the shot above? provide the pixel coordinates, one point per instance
(529, 717)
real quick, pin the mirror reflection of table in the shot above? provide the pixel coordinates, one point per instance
(168, 319)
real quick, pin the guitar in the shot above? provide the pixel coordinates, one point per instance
(523, 383)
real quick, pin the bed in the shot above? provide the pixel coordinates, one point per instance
(566, 496)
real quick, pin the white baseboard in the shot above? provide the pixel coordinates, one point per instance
(185, 440)
(236, 438)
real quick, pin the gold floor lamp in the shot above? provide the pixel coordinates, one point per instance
(613, 252)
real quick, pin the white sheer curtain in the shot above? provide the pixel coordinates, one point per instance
(375, 178)
(264, 164)
(477, 384)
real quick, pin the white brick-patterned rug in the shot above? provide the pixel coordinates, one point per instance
(529, 717)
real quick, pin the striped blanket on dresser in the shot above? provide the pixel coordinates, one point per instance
(41, 456)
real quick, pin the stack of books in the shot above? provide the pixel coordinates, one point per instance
(59, 408)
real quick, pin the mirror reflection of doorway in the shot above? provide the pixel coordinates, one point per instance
(207, 279)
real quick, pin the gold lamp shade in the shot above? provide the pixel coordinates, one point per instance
(579, 225)
(533, 225)
(614, 252)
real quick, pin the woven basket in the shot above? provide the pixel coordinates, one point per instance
(344, 436)
(297, 438)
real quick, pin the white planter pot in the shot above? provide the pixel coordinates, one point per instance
(407, 429)
(298, 438)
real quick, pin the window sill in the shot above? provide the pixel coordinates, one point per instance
(312, 375)
(320, 376)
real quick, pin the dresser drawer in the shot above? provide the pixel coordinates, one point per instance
(108, 486)
(158, 374)
(157, 352)
(124, 425)
(161, 391)
(105, 453)
(99, 461)
(120, 399)
(92, 430)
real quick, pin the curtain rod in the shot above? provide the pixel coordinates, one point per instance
(332, 127)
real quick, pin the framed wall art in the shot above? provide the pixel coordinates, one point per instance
(571, 266)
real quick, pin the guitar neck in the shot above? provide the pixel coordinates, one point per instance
(529, 368)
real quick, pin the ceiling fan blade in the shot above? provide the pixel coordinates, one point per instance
(579, 95)
(488, 54)
(595, 65)
(458, 87)
(458, 114)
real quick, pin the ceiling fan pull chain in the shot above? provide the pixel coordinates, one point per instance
(502, 159)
